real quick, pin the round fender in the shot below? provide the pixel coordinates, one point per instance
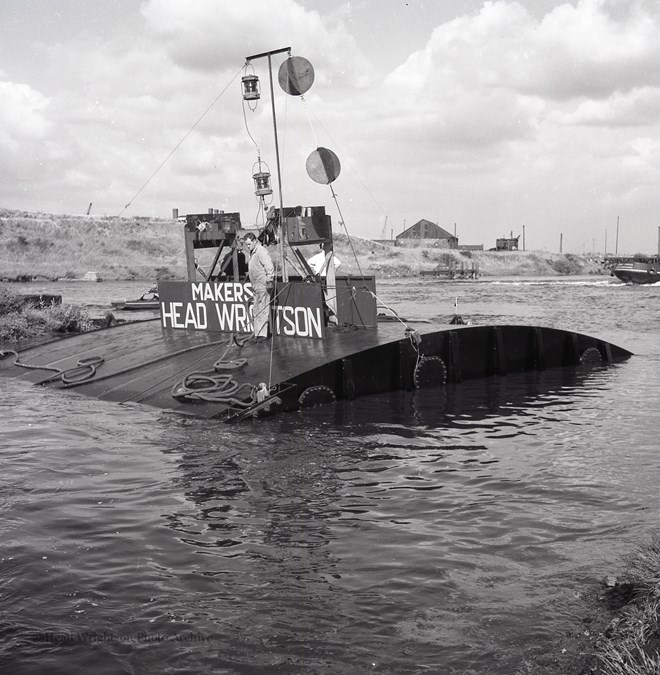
(318, 395)
(590, 356)
(430, 371)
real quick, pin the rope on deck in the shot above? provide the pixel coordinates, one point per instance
(82, 372)
(216, 386)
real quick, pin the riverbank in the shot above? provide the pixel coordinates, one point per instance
(42, 246)
(619, 633)
(23, 324)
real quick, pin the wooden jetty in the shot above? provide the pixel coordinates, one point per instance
(451, 269)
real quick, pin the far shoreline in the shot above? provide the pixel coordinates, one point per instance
(42, 247)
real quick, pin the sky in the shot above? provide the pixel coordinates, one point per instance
(538, 118)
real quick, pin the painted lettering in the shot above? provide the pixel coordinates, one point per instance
(243, 323)
(173, 314)
(225, 316)
(314, 321)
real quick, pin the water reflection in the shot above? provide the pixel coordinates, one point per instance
(455, 405)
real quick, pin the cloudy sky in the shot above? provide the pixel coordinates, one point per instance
(483, 116)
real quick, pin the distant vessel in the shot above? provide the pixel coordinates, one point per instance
(639, 271)
(88, 276)
(148, 300)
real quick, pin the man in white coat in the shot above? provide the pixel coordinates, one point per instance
(261, 272)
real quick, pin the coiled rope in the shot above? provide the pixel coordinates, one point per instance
(82, 372)
(216, 386)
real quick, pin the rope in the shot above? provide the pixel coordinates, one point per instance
(82, 372)
(176, 147)
(343, 224)
(346, 161)
(141, 395)
(309, 119)
(100, 378)
(214, 386)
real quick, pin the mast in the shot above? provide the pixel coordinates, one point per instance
(280, 244)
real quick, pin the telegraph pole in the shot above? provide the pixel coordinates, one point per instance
(616, 247)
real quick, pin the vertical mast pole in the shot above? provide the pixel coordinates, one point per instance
(280, 245)
(616, 245)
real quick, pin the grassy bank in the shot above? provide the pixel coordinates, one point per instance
(47, 246)
(21, 322)
(632, 646)
(619, 633)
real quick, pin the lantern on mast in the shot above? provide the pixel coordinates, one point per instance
(251, 91)
(261, 178)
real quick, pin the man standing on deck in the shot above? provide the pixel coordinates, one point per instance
(261, 272)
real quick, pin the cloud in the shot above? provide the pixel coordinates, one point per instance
(502, 113)
(639, 107)
(586, 50)
(23, 113)
(209, 34)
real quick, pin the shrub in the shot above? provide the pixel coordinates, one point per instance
(9, 300)
(14, 326)
(20, 322)
(67, 319)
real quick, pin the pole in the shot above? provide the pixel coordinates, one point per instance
(524, 238)
(616, 246)
(606, 242)
(280, 245)
(561, 242)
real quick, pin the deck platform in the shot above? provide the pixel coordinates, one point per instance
(143, 362)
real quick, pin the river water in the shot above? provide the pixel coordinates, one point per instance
(445, 531)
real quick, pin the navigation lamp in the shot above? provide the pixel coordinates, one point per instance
(262, 186)
(250, 88)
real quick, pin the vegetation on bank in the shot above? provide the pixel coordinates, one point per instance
(50, 247)
(620, 635)
(20, 321)
(633, 644)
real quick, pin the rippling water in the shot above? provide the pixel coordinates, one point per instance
(443, 531)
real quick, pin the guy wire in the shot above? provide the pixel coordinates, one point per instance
(176, 147)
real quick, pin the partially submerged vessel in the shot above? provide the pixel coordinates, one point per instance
(327, 341)
(148, 300)
(639, 270)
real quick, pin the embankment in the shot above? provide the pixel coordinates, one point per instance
(47, 246)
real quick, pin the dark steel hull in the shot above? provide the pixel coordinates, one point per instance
(143, 362)
(638, 272)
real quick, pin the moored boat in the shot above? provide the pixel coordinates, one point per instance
(146, 301)
(641, 270)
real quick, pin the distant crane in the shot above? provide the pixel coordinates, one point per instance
(383, 234)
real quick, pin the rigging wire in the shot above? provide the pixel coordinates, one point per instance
(343, 224)
(247, 128)
(357, 175)
(309, 119)
(176, 147)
